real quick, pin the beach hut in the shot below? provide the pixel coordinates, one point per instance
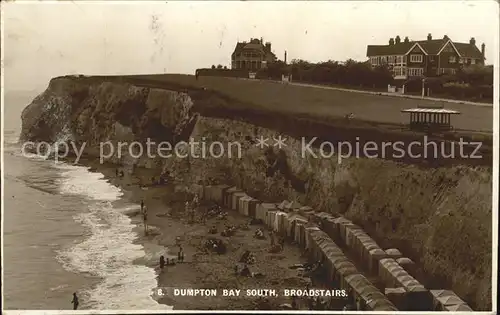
(385, 272)
(343, 224)
(218, 193)
(292, 221)
(280, 222)
(443, 299)
(298, 224)
(252, 207)
(198, 189)
(398, 297)
(310, 243)
(458, 308)
(270, 215)
(408, 265)
(364, 245)
(228, 196)
(348, 234)
(363, 289)
(243, 205)
(419, 298)
(329, 227)
(236, 200)
(375, 255)
(394, 253)
(262, 209)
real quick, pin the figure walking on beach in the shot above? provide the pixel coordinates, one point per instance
(145, 216)
(180, 254)
(142, 206)
(75, 301)
(162, 262)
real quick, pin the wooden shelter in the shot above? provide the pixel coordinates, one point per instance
(430, 118)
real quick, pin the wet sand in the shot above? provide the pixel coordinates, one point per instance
(202, 269)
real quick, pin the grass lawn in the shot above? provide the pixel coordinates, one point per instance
(325, 103)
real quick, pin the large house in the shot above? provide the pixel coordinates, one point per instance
(253, 55)
(425, 58)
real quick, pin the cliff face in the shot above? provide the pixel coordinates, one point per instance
(440, 217)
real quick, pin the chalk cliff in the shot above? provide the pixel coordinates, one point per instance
(440, 217)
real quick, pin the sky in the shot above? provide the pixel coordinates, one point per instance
(44, 39)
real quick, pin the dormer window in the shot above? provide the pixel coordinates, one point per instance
(473, 61)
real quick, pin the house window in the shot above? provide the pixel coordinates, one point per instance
(473, 61)
(399, 59)
(416, 58)
(399, 71)
(461, 60)
(415, 72)
(452, 59)
(453, 71)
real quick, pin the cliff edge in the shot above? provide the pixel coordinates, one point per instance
(436, 211)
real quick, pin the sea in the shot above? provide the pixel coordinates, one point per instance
(65, 231)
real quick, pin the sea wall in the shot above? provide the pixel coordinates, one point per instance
(439, 217)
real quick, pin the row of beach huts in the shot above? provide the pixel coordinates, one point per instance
(320, 232)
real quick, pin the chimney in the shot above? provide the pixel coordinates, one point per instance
(285, 56)
(261, 40)
(398, 39)
(268, 46)
(472, 41)
(407, 40)
(391, 41)
(482, 49)
(446, 37)
(429, 36)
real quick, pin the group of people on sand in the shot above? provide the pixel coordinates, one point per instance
(171, 262)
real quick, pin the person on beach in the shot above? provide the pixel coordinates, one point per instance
(272, 239)
(145, 217)
(142, 206)
(75, 301)
(116, 172)
(162, 262)
(180, 254)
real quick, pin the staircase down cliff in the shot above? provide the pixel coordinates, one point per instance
(437, 212)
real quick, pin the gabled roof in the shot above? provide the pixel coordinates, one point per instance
(385, 50)
(468, 50)
(251, 45)
(432, 47)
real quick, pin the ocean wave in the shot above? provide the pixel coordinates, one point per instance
(108, 251)
(77, 180)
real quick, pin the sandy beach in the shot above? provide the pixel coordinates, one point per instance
(203, 269)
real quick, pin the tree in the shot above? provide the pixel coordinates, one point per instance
(219, 66)
(225, 67)
(213, 66)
